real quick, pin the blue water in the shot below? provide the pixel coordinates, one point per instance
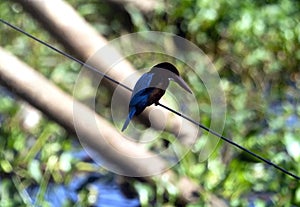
(107, 191)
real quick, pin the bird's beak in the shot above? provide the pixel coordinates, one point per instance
(182, 83)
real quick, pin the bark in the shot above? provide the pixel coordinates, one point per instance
(145, 6)
(83, 41)
(111, 146)
(71, 30)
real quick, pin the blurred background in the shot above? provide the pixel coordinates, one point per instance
(255, 47)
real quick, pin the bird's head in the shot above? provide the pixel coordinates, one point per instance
(165, 66)
(170, 71)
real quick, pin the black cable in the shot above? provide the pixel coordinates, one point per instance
(231, 142)
(65, 54)
(159, 104)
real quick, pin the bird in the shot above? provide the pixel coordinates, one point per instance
(151, 86)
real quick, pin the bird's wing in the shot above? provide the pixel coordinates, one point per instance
(143, 83)
(141, 91)
(140, 98)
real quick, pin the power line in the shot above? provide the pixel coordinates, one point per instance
(230, 141)
(65, 54)
(159, 104)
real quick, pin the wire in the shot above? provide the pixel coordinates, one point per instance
(65, 54)
(159, 104)
(230, 142)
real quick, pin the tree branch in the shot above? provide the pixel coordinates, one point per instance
(44, 95)
(145, 6)
(62, 21)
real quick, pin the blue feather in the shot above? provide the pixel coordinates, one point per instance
(140, 98)
(129, 117)
(151, 87)
(137, 104)
(143, 83)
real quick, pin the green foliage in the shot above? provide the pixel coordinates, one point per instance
(255, 48)
(22, 163)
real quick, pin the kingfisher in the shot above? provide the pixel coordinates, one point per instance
(151, 87)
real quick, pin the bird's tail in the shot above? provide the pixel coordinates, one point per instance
(129, 117)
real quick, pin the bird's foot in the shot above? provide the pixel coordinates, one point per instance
(157, 103)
